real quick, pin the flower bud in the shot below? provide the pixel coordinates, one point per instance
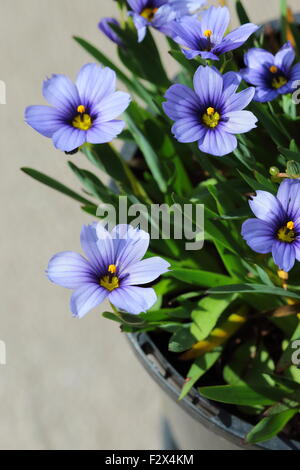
(274, 171)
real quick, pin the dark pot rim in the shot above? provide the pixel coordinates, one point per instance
(205, 412)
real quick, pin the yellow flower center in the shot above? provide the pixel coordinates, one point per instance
(208, 33)
(211, 118)
(82, 121)
(273, 69)
(149, 13)
(109, 281)
(287, 233)
(278, 82)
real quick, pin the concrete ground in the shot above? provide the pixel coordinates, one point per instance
(67, 384)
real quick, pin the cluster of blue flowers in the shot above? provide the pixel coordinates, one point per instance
(211, 114)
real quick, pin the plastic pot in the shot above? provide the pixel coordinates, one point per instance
(195, 423)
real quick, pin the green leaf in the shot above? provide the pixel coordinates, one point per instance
(273, 127)
(107, 159)
(93, 185)
(270, 426)
(286, 358)
(290, 154)
(242, 395)
(241, 12)
(248, 365)
(142, 59)
(260, 183)
(198, 369)
(284, 20)
(54, 184)
(182, 339)
(254, 289)
(207, 313)
(199, 277)
(151, 157)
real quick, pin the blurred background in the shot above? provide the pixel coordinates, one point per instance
(68, 384)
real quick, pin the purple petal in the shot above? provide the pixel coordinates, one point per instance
(263, 95)
(44, 119)
(133, 299)
(187, 33)
(111, 106)
(105, 27)
(236, 38)
(70, 270)
(295, 74)
(284, 255)
(217, 142)
(137, 5)
(239, 122)
(266, 207)
(259, 235)
(102, 132)
(208, 55)
(257, 77)
(239, 101)
(130, 245)
(181, 102)
(163, 17)
(285, 57)
(296, 245)
(231, 82)
(68, 138)
(258, 58)
(186, 7)
(97, 256)
(94, 83)
(146, 271)
(61, 92)
(188, 129)
(208, 84)
(141, 25)
(289, 196)
(105, 245)
(217, 20)
(86, 298)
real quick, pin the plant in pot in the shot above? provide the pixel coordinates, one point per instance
(215, 153)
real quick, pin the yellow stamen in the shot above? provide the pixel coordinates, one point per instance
(112, 268)
(273, 69)
(279, 82)
(109, 283)
(149, 13)
(83, 122)
(81, 109)
(211, 118)
(287, 234)
(283, 275)
(208, 33)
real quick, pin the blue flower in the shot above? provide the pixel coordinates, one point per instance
(113, 269)
(155, 13)
(276, 229)
(81, 112)
(211, 113)
(204, 37)
(271, 75)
